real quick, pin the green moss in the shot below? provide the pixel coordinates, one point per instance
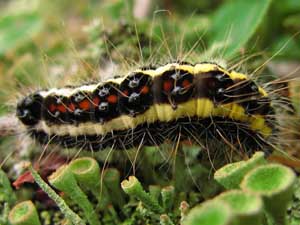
(87, 173)
(269, 179)
(112, 182)
(64, 208)
(6, 191)
(247, 207)
(275, 183)
(231, 167)
(231, 175)
(64, 180)
(168, 194)
(61, 53)
(210, 213)
(133, 187)
(81, 166)
(21, 211)
(242, 202)
(24, 213)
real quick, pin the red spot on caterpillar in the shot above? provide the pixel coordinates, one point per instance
(84, 104)
(52, 107)
(71, 107)
(186, 83)
(112, 99)
(96, 101)
(167, 85)
(61, 108)
(145, 90)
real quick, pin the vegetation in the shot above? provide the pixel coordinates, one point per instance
(56, 43)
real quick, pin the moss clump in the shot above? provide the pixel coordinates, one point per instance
(64, 208)
(213, 212)
(268, 180)
(275, 183)
(133, 187)
(87, 173)
(24, 213)
(231, 175)
(247, 207)
(64, 180)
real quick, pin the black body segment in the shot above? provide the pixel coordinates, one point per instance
(105, 101)
(173, 87)
(135, 95)
(29, 109)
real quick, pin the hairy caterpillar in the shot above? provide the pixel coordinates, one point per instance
(149, 105)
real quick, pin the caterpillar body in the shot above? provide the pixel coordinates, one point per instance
(149, 105)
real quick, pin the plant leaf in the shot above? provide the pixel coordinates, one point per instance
(17, 29)
(235, 23)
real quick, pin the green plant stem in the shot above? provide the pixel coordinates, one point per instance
(114, 214)
(184, 208)
(4, 215)
(64, 180)
(134, 188)
(181, 182)
(231, 175)
(167, 194)
(154, 191)
(112, 182)
(6, 192)
(81, 199)
(64, 208)
(87, 173)
(103, 196)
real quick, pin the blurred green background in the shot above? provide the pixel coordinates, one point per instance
(46, 43)
(52, 43)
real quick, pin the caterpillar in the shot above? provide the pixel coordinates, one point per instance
(153, 104)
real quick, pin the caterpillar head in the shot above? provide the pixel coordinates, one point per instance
(29, 109)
